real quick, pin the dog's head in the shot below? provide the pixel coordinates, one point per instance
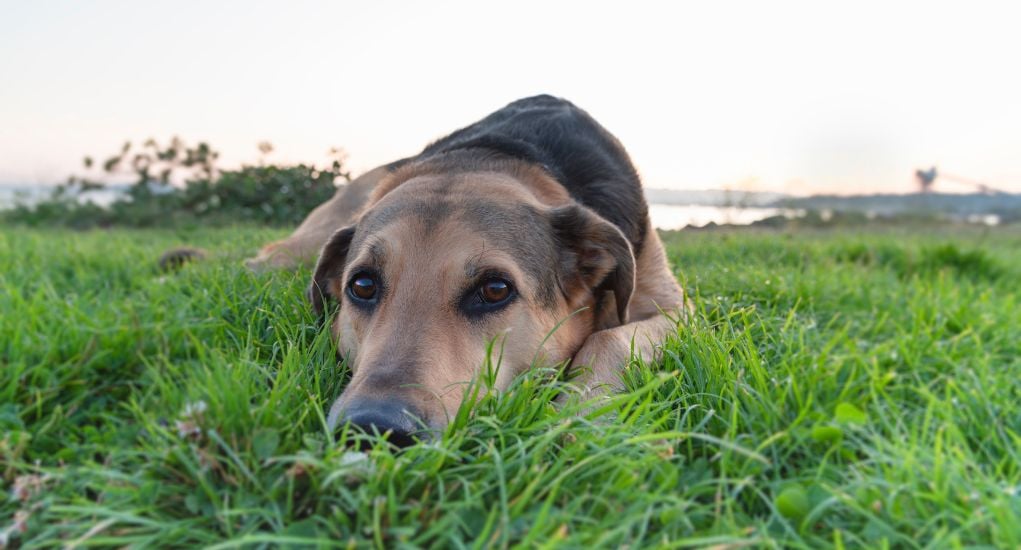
(442, 267)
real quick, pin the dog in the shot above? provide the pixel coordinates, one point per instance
(528, 230)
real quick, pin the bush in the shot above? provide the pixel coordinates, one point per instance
(263, 194)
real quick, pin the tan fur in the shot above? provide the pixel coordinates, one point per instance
(543, 188)
(425, 283)
(416, 347)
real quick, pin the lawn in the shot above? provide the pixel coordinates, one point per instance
(833, 390)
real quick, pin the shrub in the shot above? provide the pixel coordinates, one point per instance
(262, 194)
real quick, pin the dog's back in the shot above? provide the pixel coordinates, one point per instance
(570, 145)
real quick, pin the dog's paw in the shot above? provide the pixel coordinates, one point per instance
(600, 361)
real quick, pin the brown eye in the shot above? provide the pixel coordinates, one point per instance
(363, 287)
(495, 291)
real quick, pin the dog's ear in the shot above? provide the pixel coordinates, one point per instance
(596, 257)
(330, 266)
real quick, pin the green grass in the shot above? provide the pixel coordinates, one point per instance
(833, 390)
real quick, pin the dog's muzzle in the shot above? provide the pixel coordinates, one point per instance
(400, 423)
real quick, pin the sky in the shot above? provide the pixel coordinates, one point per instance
(797, 97)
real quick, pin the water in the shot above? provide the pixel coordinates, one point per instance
(13, 194)
(672, 216)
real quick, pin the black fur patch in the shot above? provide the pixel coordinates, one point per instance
(570, 145)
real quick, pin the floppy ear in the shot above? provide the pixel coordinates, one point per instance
(596, 257)
(330, 266)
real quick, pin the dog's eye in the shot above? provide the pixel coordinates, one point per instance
(495, 291)
(490, 294)
(363, 287)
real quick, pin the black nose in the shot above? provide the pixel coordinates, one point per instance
(395, 420)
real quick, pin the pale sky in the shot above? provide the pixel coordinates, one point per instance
(801, 97)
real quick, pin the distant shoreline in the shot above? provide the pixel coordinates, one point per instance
(675, 209)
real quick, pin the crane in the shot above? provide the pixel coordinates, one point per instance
(926, 179)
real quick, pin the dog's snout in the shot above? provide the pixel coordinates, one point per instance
(397, 421)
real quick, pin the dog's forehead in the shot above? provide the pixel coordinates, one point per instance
(487, 205)
(432, 199)
(462, 211)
